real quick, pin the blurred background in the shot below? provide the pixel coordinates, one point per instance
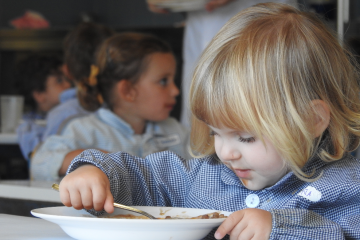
(39, 26)
(17, 41)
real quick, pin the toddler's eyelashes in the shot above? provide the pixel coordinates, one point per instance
(212, 133)
(247, 140)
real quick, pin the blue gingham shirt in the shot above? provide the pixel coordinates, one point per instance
(106, 131)
(328, 208)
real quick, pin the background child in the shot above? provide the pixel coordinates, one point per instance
(134, 80)
(201, 26)
(40, 80)
(80, 46)
(275, 104)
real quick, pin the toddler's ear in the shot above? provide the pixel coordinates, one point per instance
(321, 117)
(126, 90)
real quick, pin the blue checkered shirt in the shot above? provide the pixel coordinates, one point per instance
(165, 179)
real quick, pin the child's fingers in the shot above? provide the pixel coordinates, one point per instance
(109, 202)
(241, 231)
(228, 225)
(75, 198)
(87, 187)
(86, 198)
(99, 197)
(65, 197)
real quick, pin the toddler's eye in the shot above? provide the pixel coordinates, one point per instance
(247, 140)
(164, 81)
(212, 133)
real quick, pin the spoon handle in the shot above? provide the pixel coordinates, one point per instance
(135, 210)
(55, 187)
(117, 205)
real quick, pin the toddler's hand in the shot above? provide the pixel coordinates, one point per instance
(250, 223)
(87, 187)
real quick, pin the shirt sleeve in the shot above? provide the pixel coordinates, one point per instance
(143, 182)
(29, 135)
(48, 158)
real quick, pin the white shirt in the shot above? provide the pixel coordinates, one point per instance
(106, 131)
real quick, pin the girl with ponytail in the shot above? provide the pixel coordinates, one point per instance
(131, 87)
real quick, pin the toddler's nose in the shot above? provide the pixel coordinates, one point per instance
(229, 153)
(174, 90)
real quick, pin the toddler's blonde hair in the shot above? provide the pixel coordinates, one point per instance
(260, 74)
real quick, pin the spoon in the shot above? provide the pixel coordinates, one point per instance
(117, 205)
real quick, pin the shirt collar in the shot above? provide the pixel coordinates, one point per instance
(67, 95)
(110, 118)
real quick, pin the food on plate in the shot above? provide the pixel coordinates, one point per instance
(213, 215)
(125, 216)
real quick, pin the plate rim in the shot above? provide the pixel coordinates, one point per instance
(95, 218)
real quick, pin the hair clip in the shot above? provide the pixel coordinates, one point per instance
(94, 71)
(100, 98)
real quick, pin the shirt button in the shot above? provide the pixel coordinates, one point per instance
(252, 201)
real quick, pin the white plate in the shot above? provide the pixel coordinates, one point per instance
(180, 5)
(81, 225)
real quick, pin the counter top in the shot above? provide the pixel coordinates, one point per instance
(11, 138)
(29, 190)
(8, 138)
(28, 228)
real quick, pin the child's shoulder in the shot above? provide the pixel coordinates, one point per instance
(339, 182)
(342, 172)
(172, 124)
(65, 109)
(347, 164)
(81, 121)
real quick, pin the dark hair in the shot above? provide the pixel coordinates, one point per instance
(123, 56)
(80, 46)
(31, 74)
